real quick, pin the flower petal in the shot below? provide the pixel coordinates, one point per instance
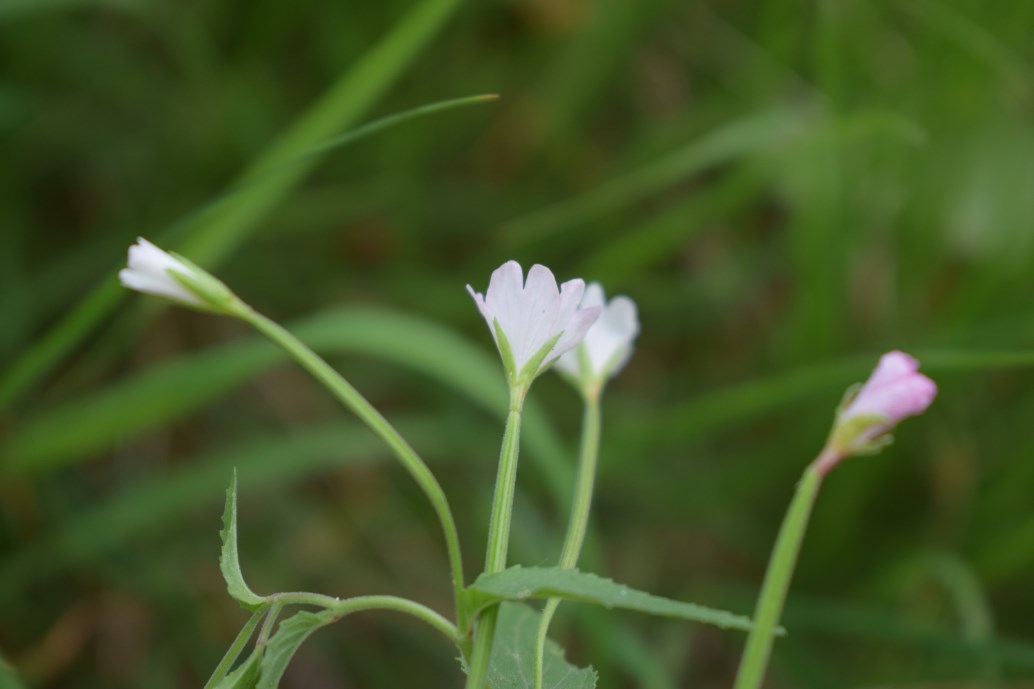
(533, 313)
(609, 342)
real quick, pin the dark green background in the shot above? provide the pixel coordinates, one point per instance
(787, 189)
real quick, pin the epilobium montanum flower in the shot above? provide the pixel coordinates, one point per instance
(894, 391)
(533, 322)
(154, 271)
(607, 346)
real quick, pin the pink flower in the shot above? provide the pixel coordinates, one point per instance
(894, 391)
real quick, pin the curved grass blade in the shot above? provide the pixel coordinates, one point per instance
(753, 133)
(74, 430)
(213, 235)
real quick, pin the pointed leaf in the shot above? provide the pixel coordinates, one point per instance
(520, 583)
(229, 562)
(290, 635)
(512, 663)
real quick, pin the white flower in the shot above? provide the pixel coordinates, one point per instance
(533, 322)
(154, 271)
(608, 344)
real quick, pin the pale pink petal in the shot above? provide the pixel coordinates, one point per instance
(895, 390)
(594, 295)
(533, 312)
(577, 326)
(609, 341)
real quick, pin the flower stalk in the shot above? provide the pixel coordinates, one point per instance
(498, 535)
(578, 522)
(354, 401)
(777, 580)
(894, 391)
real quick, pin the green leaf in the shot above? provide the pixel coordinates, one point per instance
(519, 583)
(290, 635)
(512, 663)
(229, 561)
(246, 676)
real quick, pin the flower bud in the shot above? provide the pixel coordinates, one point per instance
(894, 391)
(161, 273)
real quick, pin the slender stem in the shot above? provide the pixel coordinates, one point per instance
(271, 617)
(498, 536)
(403, 605)
(578, 522)
(777, 578)
(590, 450)
(341, 607)
(484, 635)
(358, 404)
(502, 503)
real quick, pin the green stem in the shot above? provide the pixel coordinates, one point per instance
(579, 520)
(777, 578)
(271, 617)
(498, 536)
(358, 404)
(502, 502)
(341, 607)
(232, 653)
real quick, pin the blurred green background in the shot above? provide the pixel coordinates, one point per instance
(787, 189)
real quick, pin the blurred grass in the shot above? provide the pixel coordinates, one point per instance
(786, 190)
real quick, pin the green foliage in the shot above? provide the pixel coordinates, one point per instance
(246, 676)
(512, 663)
(786, 191)
(229, 560)
(215, 232)
(289, 636)
(219, 675)
(523, 583)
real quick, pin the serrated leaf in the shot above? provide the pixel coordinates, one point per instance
(512, 662)
(246, 676)
(290, 635)
(520, 583)
(229, 561)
